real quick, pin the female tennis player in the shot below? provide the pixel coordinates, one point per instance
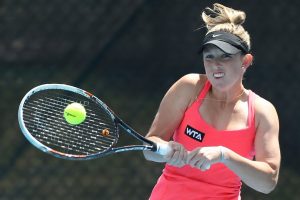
(221, 133)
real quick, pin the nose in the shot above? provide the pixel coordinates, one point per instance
(217, 62)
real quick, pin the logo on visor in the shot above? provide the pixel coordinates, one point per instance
(194, 134)
(216, 35)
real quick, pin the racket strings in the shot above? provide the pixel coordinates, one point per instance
(43, 116)
(59, 135)
(62, 138)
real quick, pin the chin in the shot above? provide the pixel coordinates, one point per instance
(219, 84)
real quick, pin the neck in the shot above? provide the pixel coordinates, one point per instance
(227, 97)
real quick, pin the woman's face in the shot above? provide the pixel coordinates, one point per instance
(223, 70)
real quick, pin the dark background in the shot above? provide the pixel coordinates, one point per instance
(128, 53)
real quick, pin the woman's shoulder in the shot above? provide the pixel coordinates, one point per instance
(262, 105)
(192, 84)
(264, 110)
(193, 79)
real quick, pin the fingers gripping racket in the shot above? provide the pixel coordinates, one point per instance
(42, 119)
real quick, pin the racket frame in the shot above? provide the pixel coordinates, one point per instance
(147, 144)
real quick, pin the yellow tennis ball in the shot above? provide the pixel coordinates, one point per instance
(75, 113)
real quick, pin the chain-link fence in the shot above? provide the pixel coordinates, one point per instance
(128, 53)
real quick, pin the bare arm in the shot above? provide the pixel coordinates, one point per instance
(261, 174)
(168, 117)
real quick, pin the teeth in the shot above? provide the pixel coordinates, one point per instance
(218, 75)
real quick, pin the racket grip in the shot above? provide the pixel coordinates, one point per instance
(163, 149)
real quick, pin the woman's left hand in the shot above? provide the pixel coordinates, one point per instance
(203, 157)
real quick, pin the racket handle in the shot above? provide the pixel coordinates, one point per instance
(163, 149)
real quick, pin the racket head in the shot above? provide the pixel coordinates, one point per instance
(41, 119)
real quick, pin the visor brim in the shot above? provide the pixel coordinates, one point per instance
(224, 46)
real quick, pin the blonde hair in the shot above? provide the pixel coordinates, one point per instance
(222, 18)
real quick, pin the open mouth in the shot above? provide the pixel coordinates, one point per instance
(218, 75)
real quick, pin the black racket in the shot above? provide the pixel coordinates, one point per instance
(41, 119)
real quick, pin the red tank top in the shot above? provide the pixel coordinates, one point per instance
(219, 182)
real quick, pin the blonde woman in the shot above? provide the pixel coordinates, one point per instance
(221, 133)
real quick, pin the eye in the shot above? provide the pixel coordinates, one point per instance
(226, 56)
(208, 57)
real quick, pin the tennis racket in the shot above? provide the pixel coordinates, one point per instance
(41, 119)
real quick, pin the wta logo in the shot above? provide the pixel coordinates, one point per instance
(194, 134)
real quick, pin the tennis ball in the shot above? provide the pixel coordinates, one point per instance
(75, 113)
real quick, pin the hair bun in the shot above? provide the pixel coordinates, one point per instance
(221, 14)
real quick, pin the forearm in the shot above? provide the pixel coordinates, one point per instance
(257, 175)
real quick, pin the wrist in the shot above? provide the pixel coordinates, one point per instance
(223, 154)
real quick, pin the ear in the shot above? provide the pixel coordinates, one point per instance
(247, 60)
